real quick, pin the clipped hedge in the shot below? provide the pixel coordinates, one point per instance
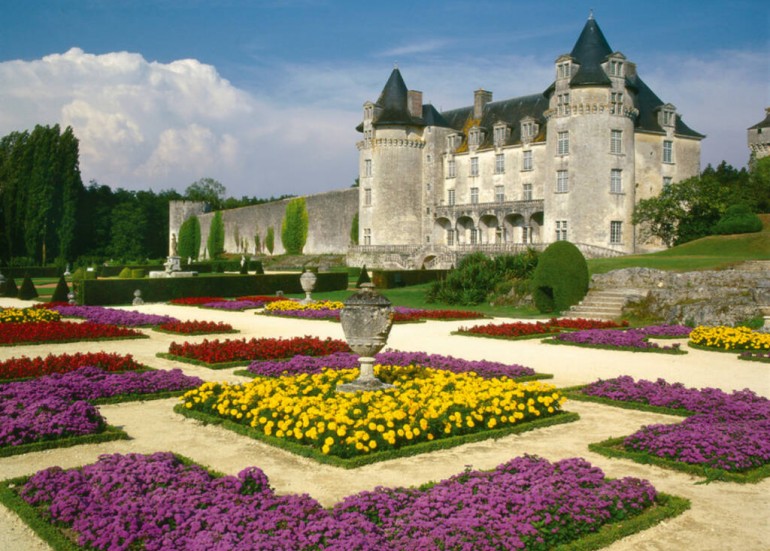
(561, 277)
(389, 279)
(32, 271)
(117, 291)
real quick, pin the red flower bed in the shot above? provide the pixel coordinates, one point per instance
(257, 349)
(582, 324)
(194, 301)
(261, 298)
(196, 327)
(408, 314)
(34, 333)
(17, 368)
(554, 325)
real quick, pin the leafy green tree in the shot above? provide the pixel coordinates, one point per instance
(216, 239)
(190, 238)
(294, 226)
(759, 184)
(126, 241)
(208, 190)
(354, 230)
(270, 239)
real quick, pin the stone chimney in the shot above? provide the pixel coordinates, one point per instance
(415, 103)
(480, 99)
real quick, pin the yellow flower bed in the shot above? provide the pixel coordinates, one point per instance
(424, 405)
(730, 338)
(284, 305)
(28, 315)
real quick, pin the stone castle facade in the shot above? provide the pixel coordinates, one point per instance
(568, 163)
(759, 137)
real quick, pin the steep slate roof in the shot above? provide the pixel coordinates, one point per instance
(647, 102)
(394, 103)
(764, 123)
(590, 51)
(432, 117)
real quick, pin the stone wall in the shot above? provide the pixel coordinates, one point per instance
(708, 297)
(330, 216)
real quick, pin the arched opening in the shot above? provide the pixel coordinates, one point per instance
(466, 231)
(490, 230)
(444, 232)
(513, 228)
(536, 225)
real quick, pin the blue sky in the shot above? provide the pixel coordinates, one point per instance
(264, 96)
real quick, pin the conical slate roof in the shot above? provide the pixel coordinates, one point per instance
(765, 123)
(394, 103)
(590, 51)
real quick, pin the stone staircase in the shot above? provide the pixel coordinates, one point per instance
(601, 304)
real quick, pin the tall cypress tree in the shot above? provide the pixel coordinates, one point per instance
(216, 240)
(294, 226)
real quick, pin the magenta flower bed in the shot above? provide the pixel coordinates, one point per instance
(343, 360)
(57, 405)
(630, 339)
(309, 314)
(666, 331)
(728, 431)
(156, 502)
(113, 316)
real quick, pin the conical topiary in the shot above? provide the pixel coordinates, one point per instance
(363, 277)
(11, 290)
(27, 290)
(61, 291)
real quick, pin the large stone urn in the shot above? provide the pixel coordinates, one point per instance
(366, 320)
(307, 280)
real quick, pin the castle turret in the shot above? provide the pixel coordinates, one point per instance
(759, 137)
(391, 199)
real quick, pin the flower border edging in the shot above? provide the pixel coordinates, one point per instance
(108, 434)
(354, 462)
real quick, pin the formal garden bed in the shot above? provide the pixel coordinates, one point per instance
(16, 334)
(427, 409)
(528, 330)
(729, 339)
(633, 340)
(216, 354)
(52, 410)
(724, 436)
(112, 316)
(345, 360)
(755, 356)
(330, 310)
(27, 368)
(163, 501)
(194, 327)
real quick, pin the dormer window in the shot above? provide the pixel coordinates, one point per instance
(616, 68)
(453, 142)
(529, 129)
(475, 137)
(667, 115)
(368, 111)
(563, 69)
(501, 133)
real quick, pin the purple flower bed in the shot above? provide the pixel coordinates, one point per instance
(113, 316)
(57, 405)
(320, 314)
(630, 339)
(343, 360)
(728, 431)
(155, 502)
(233, 305)
(666, 331)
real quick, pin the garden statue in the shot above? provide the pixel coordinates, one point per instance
(138, 301)
(366, 320)
(307, 281)
(71, 298)
(174, 246)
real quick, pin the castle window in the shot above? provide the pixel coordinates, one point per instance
(616, 103)
(500, 135)
(616, 181)
(563, 70)
(561, 230)
(367, 167)
(474, 166)
(527, 194)
(499, 163)
(451, 169)
(527, 161)
(616, 141)
(450, 237)
(367, 236)
(529, 129)
(562, 181)
(474, 137)
(562, 144)
(368, 112)
(562, 104)
(367, 197)
(669, 117)
(616, 68)
(616, 232)
(499, 194)
(450, 197)
(453, 141)
(526, 234)
(666, 181)
(668, 151)
(474, 196)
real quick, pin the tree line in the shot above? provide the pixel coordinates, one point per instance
(48, 216)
